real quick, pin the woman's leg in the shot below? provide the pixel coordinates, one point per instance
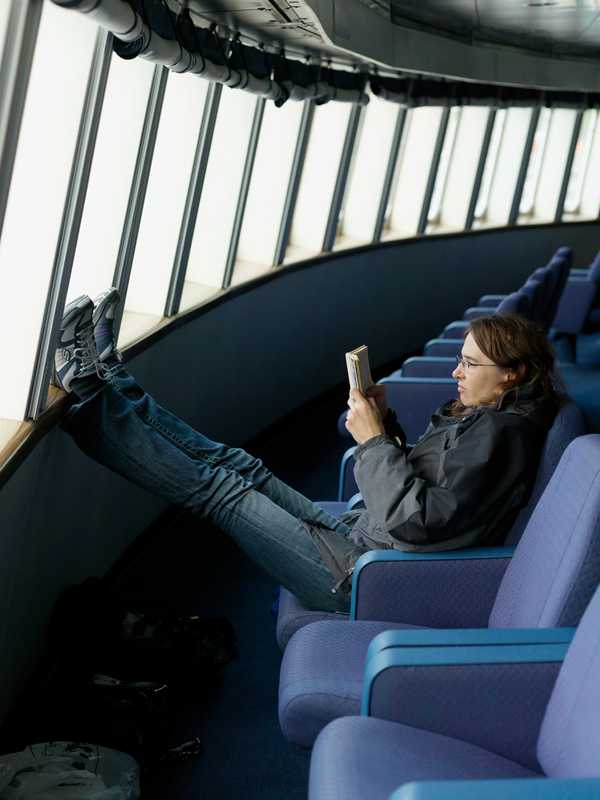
(123, 428)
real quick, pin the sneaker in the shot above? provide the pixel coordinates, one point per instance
(103, 319)
(76, 352)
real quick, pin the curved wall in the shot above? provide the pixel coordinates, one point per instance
(231, 369)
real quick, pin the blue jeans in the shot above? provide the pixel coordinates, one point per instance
(121, 426)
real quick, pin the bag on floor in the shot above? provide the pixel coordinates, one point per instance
(68, 771)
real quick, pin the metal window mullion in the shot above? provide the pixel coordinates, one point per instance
(236, 229)
(433, 171)
(522, 177)
(289, 206)
(137, 193)
(190, 212)
(389, 173)
(485, 148)
(70, 223)
(568, 167)
(15, 69)
(342, 178)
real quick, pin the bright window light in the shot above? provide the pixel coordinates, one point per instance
(268, 188)
(218, 203)
(414, 171)
(462, 168)
(127, 91)
(166, 194)
(370, 161)
(491, 162)
(50, 124)
(536, 160)
(447, 155)
(320, 172)
(507, 166)
(5, 7)
(590, 196)
(552, 170)
(581, 161)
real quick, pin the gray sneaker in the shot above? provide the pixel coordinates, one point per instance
(103, 319)
(76, 354)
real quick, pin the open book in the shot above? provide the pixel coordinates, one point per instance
(359, 371)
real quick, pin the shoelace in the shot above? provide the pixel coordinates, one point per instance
(88, 355)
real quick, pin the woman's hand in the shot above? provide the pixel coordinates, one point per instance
(377, 392)
(363, 420)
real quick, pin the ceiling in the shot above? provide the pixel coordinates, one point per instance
(551, 43)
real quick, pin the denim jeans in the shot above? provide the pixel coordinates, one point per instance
(118, 424)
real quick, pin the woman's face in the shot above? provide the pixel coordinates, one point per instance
(479, 380)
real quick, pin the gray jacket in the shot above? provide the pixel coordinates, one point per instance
(461, 485)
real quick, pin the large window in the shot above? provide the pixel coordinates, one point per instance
(112, 169)
(413, 171)
(40, 178)
(216, 212)
(491, 162)
(165, 199)
(581, 167)
(365, 184)
(318, 180)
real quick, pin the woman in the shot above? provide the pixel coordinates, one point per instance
(461, 485)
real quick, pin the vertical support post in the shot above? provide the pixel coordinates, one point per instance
(194, 193)
(15, 69)
(520, 185)
(560, 204)
(389, 174)
(289, 205)
(259, 110)
(433, 170)
(342, 178)
(485, 148)
(137, 193)
(70, 223)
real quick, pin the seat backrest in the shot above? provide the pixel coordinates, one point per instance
(556, 566)
(560, 266)
(547, 278)
(568, 425)
(515, 303)
(569, 741)
(535, 292)
(594, 270)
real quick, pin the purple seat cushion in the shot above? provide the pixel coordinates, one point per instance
(361, 757)
(322, 675)
(292, 616)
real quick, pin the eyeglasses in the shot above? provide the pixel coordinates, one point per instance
(466, 365)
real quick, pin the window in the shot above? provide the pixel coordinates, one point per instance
(165, 200)
(318, 179)
(218, 203)
(45, 151)
(365, 184)
(413, 171)
(268, 189)
(505, 173)
(589, 207)
(581, 163)
(441, 178)
(491, 161)
(535, 162)
(111, 173)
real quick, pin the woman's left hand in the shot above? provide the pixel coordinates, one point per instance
(363, 420)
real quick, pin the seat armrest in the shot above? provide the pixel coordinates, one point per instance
(355, 502)
(491, 300)
(453, 637)
(506, 689)
(444, 348)
(474, 312)
(453, 589)
(518, 789)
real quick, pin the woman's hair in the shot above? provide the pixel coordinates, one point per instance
(514, 343)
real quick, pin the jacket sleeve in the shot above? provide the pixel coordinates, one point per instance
(477, 474)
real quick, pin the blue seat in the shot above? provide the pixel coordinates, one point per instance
(577, 300)
(528, 302)
(568, 425)
(475, 713)
(516, 789)
(546, 583)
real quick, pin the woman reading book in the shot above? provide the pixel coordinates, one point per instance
(461, 485)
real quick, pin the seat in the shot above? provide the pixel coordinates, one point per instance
(370, 757)
(547, 583)
(568, 425)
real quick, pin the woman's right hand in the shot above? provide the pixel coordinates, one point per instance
(377, 392)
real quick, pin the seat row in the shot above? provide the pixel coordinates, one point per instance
(443, 653)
